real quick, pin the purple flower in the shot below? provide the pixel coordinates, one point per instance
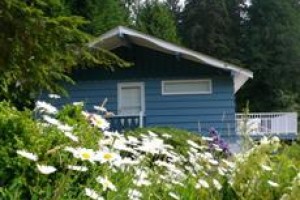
(218, 141)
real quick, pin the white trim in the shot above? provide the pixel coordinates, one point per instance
(128, 84)
(163, 92)
(112, 39)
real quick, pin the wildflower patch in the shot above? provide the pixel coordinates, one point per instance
(72, 154)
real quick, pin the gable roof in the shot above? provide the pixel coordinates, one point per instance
(120, 36)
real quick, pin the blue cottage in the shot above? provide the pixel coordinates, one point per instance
(167, 85)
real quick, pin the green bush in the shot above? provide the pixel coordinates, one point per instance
(156, 163)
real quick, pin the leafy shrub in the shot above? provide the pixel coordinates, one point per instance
(70, 154)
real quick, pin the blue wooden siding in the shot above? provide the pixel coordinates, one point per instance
(192, 111)
(183, 111)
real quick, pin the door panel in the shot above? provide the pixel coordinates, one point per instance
(130, 98)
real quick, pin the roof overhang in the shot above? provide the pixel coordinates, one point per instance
(121, 35)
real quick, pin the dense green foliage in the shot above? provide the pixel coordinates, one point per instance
(272, 50)
(102, 15)
(158, 163)
(39, 46)
(213, 27)
(156, 19)
(41, 41)
(263, 36)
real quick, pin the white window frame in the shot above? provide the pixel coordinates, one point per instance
(131, 84)
(163, 92)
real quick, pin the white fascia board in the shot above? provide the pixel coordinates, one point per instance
(112, 33)
(240, 75)
(239, 80)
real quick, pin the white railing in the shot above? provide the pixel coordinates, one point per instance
(123, 122)
(280, 123)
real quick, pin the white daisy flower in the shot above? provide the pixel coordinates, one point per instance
(45, 107)
(152, 134)
(265, 167)
(173, 195)
(106, 142)
(65, 127)
(167, 136)
(71, 136)
(221, 171)
(132, 140)
(275, 139)
(77, 168)
(273, 184)
(193, 144)
(228, 163)
(82, 153)
(141, 181)
(106, 183)
(217, 184)
(134, 194)
(45, 169)
(93, 194)
(71, 150)
(79, 103)
(213, 161)
(207, 138)
(202, 183)
(111, 134)
(51, 120)
(264, 141)
(99, 121)
(175, 182)
(28, 155)
(105, 156)
(54, 96)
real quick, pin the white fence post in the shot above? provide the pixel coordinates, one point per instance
(141, 119)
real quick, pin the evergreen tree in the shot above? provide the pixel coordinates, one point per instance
(102, 15)
(156, 19)
(272, 51)
(213, 27)
(39, 46)
(174, 7)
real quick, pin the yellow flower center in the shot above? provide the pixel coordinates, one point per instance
(108, 156)
(86, 155)
(99, 122)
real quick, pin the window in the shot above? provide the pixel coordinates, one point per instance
(187, 87)
(130, 98)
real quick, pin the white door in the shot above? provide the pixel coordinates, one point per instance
(131, 98)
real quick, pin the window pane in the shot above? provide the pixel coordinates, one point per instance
(187, 87)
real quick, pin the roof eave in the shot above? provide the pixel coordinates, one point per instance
(240, 75)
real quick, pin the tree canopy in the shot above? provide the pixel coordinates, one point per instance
(212, 27)
(42, 40)
(156, 19)
(39, 46)
(263, 37)
(272, 51)
(102, 15)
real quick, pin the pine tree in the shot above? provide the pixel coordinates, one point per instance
(39, 46)
(174, 7)
(156, 19)
(102, 15)
(272, 51)
(213, 27)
